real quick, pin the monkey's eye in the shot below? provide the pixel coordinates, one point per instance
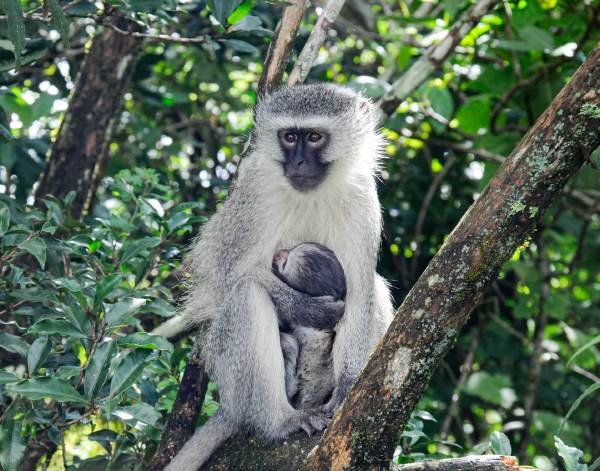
(290, 137)
(314, 137)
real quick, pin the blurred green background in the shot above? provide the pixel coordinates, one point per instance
(76, 296)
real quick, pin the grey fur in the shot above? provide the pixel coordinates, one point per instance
(231, 263)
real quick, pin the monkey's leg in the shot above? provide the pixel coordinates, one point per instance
(247, 364)
(367, 316)
(291, 350)
(298, 309)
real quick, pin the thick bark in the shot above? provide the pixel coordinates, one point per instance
(363, 433)
(186, 409)
(245, 453)
(79, 155)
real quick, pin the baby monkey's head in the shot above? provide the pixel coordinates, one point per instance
(311, 268)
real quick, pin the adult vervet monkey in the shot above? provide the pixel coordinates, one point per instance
(309, 175)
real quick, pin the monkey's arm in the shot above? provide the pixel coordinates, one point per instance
(299, 309)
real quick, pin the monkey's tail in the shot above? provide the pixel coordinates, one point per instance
(198, 449)
(173, 327)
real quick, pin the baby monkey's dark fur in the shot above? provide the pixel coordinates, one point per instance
(312, 269)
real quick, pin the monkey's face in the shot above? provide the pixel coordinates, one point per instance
(303, 163)
(309, 138)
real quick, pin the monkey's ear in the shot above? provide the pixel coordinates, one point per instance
(370, 110)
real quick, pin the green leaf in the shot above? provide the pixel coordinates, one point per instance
(14, 344)
(41, 388)
(492, 388)
(500, 444)
(38, 352)
(16, 26)
(441, 101)
(141, 412)
(475, 115)
(480, 448)
(105, 287)
(37, 248)
(116, 313)
(6, 377)
(27, 58)
(240, 12)
(594, 465)
(145, 5)
(128, 371)
(513, 45)
(12, 444)
(570, 455)
(134, 248)
(583, 348)
(97, 370)
(241, 46)
(59, 20)
(4, 219)
(589, 390)
(56, 327)
(222, 9)
(146, 341)
(536, 38)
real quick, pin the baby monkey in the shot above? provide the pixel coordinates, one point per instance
(312, 269)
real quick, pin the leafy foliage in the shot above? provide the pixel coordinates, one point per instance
(77, 299)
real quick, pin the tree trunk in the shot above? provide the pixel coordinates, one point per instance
(79, 155)
(364, 431)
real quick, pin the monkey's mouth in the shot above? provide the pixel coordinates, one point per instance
(305, 183)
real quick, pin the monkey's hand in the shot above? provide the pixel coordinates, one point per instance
(296, 308)
(339, 394)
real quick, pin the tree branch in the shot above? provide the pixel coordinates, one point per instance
(425, 327)
(281, 46)
(435, 56)
(315, 41)
(165, 38)
(467, 463)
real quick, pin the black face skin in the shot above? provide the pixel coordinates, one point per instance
(303, 165)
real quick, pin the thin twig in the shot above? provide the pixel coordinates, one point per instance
(465, 371)
(317, 37)
(536, 356)
(467, 148)
(165, 38)
(435, 183)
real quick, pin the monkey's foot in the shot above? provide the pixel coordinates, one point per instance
(315, 420)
